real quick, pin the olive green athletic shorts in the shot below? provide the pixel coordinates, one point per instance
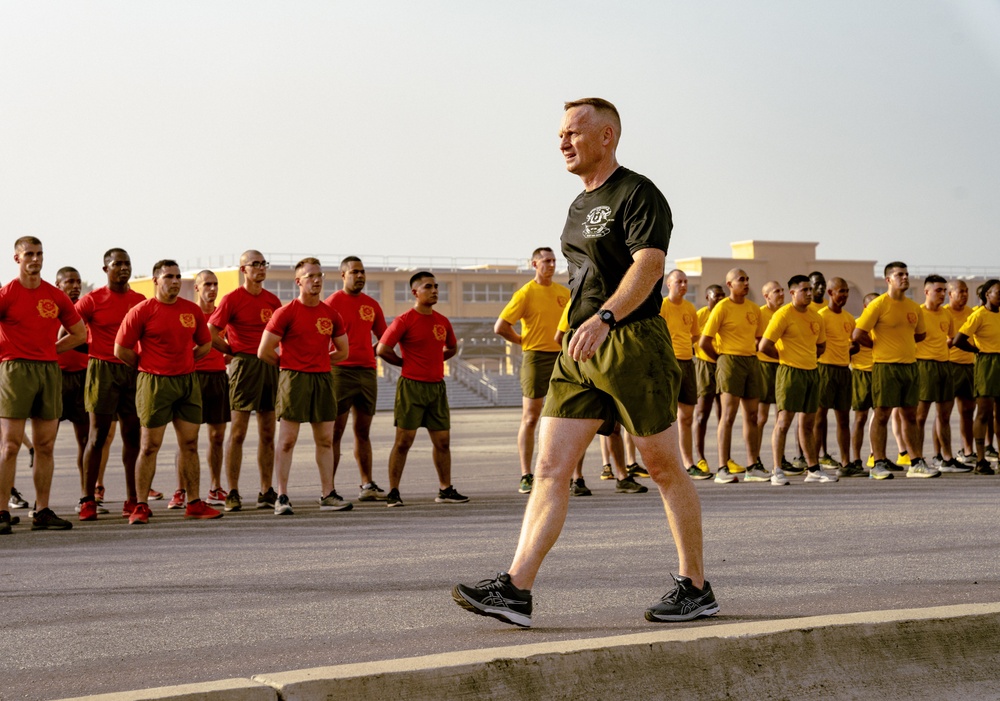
(72, 397)
(536, 370)
(895, 384)
(835, 386)
(214, 397)
(253, 384)
(110, 388)
(159, 399)
(30, 389)
(934, 381)
(306, 397)
(688, 392)
(768, 373)
(355, 387)
(421, 404)
(963, 377)
(796, 390)
(704, 375)
(861, 390)
(633, 379)
(739, 375)
(988, 375)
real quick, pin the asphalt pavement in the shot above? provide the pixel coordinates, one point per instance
(108, 607)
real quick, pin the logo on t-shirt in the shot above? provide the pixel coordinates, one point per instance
(187, 321)
(47, 309)
(687, 319)
(366, 312)
(911, 317)
(325, 326)
(595, 225)
(814, 327)
(440, 333)
(944, 326)
(752, 318)
(265, 315)
(562, 301)
(847, 327)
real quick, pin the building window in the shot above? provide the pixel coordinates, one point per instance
(374, 290)
(285, 290)
(402, 291)
(487, 291)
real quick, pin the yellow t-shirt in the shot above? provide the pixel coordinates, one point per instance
(702, 319)
(799, 333)
(839, 328)
(940, 327)
(985, 326)
(894, 323)
(765, 319)
(735, 326)
(957, 355)
(682, 321)
(538, 308)
(816, 306)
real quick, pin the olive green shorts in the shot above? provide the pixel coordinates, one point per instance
(988, 375)
(704, 376)
(355, 387)
(797, 390)
(633, 379)
(688, 392)
(159, 399)
(739, 375)
(768, 373)
(421, 405)
(835, 387)
(110, 388)
(895, 384)
(30, 389)
(253, 384)
(934, 381)
(214, 397)
(861, 390)
(963, 377)
(306, 397)
(536, 370)
(72, 397)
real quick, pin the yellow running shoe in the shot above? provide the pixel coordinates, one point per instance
(871, 460)
(735, 467)
(903, 460)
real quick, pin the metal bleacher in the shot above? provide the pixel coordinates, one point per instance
(468, 387)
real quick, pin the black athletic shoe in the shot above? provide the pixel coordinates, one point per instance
(579, 488)
(637, 470)
(450, 495)
(497, 598)
(392, 499)
(983, 467)
(6, 521)
(267, 500)
(630, 486)
(683, 603)
(46, 520)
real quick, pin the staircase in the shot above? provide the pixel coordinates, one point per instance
(467, 385)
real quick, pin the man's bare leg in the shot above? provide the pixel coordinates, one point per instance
(531, 411)
(751, 436)
(150, 440)
(288, 435)
(441, 440)
(730, 404)
(843, 419)
(880, 431)
(685, 422)
(397, 456)
(323, 438)
(187, 456)
(234, 447)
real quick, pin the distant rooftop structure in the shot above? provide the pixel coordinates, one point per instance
(387, 263)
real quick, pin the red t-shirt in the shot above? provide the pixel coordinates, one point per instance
(362, 317)
(306, 335)
(30, 320)
(422, 339)
(167, 334)
(215, 361)
(73, 361)
(244, 317)
(102, 311)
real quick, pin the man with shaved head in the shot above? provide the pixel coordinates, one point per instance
(835, 379)
(962, 375)
(617, 364)
(682, 321)
(774, 298)
(237, 325)
(737, 326)
(708, 391)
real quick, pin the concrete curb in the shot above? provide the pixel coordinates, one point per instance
(941, 652)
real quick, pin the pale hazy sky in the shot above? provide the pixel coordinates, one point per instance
(178, 129)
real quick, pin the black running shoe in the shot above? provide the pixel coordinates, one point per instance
(267, 500)
(450, 495)
(579, 488)
(392, 499)
(637, 470)
(497, 598)
(983, 467)
(6, 521)
(630, 486)
(46, 520)
(683, 603)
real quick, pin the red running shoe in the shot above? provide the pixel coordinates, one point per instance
(140, 514)
(177, 501)
(199, 509)
(88, 510)
(127, 508)
(155, 495)
(216, 497)
(99, 493)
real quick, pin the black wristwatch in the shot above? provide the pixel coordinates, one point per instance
(608, 317)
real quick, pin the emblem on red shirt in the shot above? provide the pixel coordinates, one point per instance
(366, 312)
(911, 317)
(187, 321)
(325, 326)
(440, 333)
(47, 309)
(265, 315)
